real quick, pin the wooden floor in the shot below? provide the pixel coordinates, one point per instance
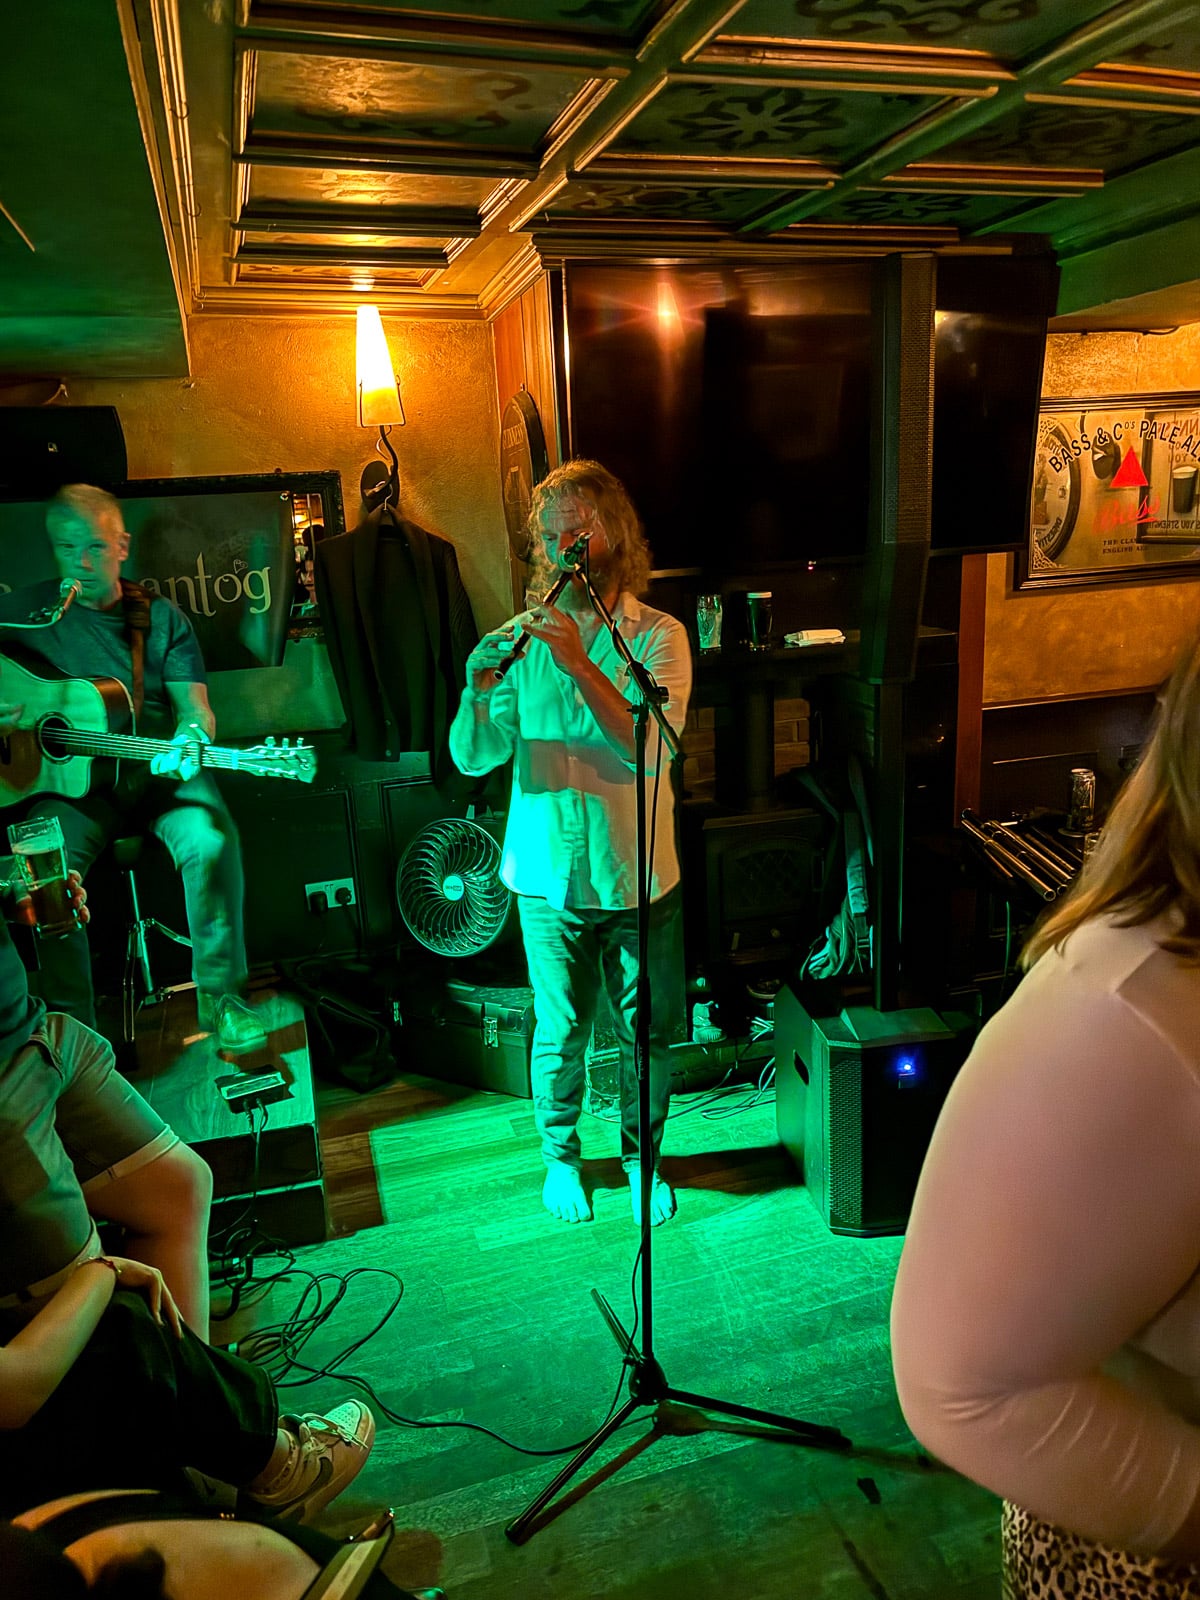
(756, 1302)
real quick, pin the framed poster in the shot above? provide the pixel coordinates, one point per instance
(1115, 491)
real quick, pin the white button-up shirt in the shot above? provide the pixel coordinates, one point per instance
(571, 837)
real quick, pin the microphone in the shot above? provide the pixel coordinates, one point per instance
(572, 557)
(69, 591)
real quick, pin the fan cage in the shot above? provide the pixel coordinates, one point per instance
(448, 888)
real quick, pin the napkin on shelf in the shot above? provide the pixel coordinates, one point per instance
(815, 636)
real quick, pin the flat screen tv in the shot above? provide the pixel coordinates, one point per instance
(734, 402)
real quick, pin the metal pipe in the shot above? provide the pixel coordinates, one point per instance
(1027, 875)
(1040, 859)
(1065, 854)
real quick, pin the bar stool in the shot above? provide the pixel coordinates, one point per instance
(127, 853)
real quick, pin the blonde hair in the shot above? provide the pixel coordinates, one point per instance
(81, 503)
(596, 486)
(1148, 857)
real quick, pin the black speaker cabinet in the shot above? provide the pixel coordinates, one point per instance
(44, 447)
(857, 1096)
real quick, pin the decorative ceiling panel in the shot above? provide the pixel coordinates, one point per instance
(719, 204)
(1176, 50)
(609, 17)
(1077, 135)
(307, 186)
(317, 96)
(767, 120)
(963, 211)
(1009, 29)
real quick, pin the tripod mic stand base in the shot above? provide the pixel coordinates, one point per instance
(648, 1387)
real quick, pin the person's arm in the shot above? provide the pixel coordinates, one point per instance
(194, 724)
(190, 703)
(484, 731)
(38, 1357)
(1057, 1214)
(667, 660)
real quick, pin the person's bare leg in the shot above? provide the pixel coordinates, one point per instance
(164, 1208)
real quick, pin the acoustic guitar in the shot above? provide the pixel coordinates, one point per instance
(72, 725)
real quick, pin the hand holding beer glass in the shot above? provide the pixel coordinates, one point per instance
(41, 860)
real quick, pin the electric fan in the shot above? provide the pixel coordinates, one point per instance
(448, 888)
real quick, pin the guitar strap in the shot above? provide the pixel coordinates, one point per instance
(136, 602)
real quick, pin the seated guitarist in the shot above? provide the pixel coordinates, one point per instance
(113, 629)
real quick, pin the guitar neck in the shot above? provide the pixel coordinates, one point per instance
(133, 747)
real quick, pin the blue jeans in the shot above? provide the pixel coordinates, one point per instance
(570, 955)
(193, 821)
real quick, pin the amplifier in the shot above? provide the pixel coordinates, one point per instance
(856, 1100)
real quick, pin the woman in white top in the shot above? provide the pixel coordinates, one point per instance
(1046, 1319)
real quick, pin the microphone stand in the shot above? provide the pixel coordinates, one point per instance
(648, 1384)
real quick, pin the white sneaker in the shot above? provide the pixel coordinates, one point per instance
(328, 1453)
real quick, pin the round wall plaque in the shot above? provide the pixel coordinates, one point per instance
(523, 464)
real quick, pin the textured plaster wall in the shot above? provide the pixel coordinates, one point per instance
(1043, 643)
(274, 392)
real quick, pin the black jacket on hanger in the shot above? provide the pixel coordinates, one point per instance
(399, 628)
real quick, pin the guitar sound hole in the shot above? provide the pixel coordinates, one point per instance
(53, 747)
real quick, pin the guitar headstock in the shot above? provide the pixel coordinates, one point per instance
(286, 759)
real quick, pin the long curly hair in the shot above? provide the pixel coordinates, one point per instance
(596, 486)
(1148, 857)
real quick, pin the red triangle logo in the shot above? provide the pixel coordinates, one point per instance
(1129, 472)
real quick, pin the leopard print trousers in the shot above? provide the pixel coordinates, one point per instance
(1042, 1562)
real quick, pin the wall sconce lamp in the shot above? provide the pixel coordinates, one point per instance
(379, 407)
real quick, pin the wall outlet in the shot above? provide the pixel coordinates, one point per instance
(337, 892)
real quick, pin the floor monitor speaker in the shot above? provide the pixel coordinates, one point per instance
(857, 1097)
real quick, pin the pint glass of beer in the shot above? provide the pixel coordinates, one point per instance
(41, 859)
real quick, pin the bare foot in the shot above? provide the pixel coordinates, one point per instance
(662, 1198)
(563, 1196)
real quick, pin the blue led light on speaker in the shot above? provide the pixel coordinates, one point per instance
(906, 1067)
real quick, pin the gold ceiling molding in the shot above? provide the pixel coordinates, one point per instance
(966, 178)
(435, 222)
(519, 273)
(774, 172)
(356, 30)
(164, 120)
(847, 64)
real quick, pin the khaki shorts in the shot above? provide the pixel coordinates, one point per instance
(69, 1125)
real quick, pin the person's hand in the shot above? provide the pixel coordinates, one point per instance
(146, 1280)
(77, 895)
(559, 632)
(493, 649)
(182, 759)
(10, 717)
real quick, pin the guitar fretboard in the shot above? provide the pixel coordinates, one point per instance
(133, 747)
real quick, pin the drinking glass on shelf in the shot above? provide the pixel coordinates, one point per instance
(758, 615)
(41, 860)
(709, 617)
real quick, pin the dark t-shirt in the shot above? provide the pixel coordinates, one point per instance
(20, 1013)
(95, 644)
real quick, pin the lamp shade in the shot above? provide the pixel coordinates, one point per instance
(378, 396)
